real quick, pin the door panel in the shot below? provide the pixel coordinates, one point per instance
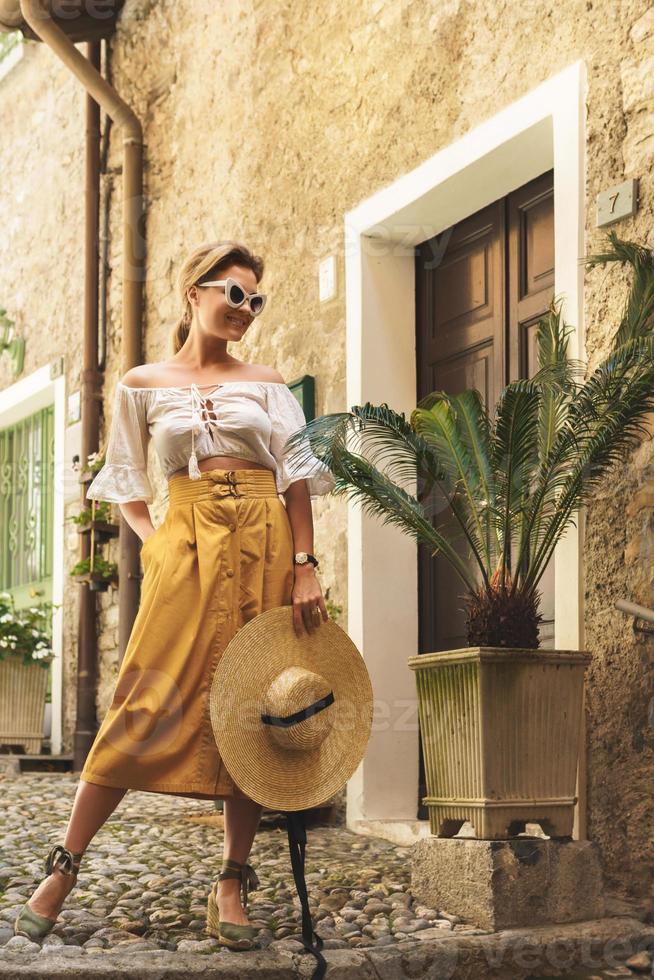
(462, 346)
(530, 290)
(530, 244)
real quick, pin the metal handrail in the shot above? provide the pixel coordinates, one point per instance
(638, 612)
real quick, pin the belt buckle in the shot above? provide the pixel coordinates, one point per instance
(232, 483)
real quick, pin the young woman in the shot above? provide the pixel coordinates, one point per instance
(228, 548)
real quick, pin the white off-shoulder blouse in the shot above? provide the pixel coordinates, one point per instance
(247, 419)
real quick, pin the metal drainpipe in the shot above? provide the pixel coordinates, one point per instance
(39, 19)
(87, 639)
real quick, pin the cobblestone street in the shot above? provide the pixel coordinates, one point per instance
(144, 880)
(140, 899)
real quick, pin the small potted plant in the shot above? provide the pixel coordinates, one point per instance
(25, 656)
(96, 519)
(97, 571)
(500, 720)
(93, 465)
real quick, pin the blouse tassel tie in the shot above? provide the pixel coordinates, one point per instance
(196, 420)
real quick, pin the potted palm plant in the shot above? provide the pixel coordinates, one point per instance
(500, 719)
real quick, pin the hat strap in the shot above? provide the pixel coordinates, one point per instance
(297, 839)
(283, 721)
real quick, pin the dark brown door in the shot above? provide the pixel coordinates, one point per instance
(481, 286)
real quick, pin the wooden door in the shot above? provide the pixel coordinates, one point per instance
(480, 288)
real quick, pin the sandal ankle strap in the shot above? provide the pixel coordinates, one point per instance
(232, 864)
(66, 861)
(247, 874)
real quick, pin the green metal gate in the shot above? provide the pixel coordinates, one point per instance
(26, 507)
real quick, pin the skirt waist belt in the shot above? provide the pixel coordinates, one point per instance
(222, 483)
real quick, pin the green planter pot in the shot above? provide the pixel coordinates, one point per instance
(22, 703)
(501, 736)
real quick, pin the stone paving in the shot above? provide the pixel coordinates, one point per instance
(145, 877)
(144, 880)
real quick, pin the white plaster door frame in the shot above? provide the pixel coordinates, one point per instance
(17, 401)
(544, 129)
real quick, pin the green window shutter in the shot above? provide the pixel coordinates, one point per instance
(26, 507)
(304, 390)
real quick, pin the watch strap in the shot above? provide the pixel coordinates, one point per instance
(310, 558)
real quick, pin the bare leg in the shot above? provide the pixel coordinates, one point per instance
(91, 808)
(241, 822)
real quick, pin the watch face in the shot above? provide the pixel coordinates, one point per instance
(301, 556)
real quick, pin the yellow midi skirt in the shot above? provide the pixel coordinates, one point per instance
(223, 554)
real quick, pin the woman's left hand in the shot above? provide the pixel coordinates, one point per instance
(308, 602)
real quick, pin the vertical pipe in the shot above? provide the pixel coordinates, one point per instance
(87, 645)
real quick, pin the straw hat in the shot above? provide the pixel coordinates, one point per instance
(291, 715)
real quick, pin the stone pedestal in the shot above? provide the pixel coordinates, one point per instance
(501, 884)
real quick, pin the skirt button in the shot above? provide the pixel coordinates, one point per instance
(232, 527)
(230, 572)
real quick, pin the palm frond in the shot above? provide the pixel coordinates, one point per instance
(556, 377)
(475, 431)
(450, 427)
(380, 497)
(638, 316)
(557, 381)
(604, 425)
(514, 456)
(387, 437)
(384, 433)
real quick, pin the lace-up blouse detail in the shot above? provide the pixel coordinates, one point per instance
(247, 419)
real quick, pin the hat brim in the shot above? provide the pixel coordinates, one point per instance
(267, 772)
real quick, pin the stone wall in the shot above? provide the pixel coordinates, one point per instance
(265, 122)
(619, 523)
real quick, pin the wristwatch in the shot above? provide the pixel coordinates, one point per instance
(302, 557)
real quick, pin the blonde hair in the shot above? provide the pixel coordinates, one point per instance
(207, 262)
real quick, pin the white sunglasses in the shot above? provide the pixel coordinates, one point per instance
(236, 295)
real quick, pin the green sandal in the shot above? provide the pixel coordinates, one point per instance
(232, 934)
(28, 922)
